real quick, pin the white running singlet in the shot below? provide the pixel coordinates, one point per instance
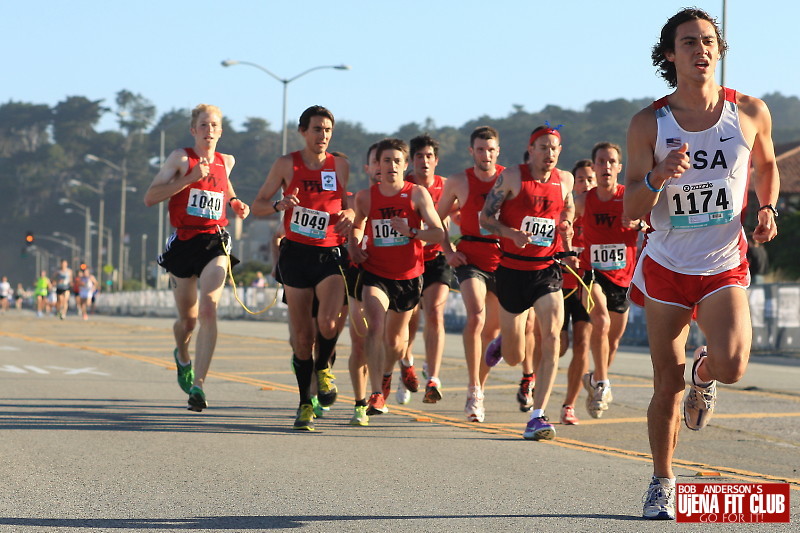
(697, 218)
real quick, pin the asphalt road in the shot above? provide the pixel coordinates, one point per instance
(95, 436)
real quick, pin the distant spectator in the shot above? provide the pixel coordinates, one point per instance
(758, 259)
(259, 280)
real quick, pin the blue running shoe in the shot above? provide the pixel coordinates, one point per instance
(539, 429)
(493, 355)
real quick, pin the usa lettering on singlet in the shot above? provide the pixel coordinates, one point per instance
(697, 218)
(320, 195)
(200, 207)
(391, 254)
(536, 209)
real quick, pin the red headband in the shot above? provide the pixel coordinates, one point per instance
(544, 131)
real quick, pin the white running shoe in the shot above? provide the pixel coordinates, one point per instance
(403, 395)
(659, 500)
(474, 407)
(700, 402)
(596, 398)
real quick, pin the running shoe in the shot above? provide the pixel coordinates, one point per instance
(403, 395)
(360, 417)
(409, 377)
(305, 417)
(386, 387)
(525, 393)
(568, 417)
(596, 398)
(376, 405)
(493, 355)
(700, 401)
(659, 500)
(432, 391)
(326, 387)
(539, 429)
(197, 399)
(474, 407)
(319, 409)
(185, 373)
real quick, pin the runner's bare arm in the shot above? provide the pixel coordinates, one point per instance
(279, 176)
(170, 180)
(423, 203)
(239, 207)
(503, 188)
(345, 216)
(767, 180)
(357, 255)
(642, 132)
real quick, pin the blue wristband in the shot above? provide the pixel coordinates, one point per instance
(649, 186)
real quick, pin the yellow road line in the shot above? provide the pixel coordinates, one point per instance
(497, 429)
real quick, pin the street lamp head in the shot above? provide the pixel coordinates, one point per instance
(75, 183)
(343, 67)
(229, 63)
(90, 157)
(63, 201)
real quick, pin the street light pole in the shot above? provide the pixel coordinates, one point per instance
(285, 82)
(123, 170)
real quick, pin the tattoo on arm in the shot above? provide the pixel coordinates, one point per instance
(490, 209)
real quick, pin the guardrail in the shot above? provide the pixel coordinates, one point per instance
(774, 308)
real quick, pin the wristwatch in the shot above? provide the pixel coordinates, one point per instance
(771, 208)
(414, 232)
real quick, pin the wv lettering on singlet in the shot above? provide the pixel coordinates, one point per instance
(700, 160)
(312, 186)
(604, 219)
(541, 201)
(389, 212)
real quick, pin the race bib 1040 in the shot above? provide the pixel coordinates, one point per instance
(206, 204)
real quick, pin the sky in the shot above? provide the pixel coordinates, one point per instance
(450, 61)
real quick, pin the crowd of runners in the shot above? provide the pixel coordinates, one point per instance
(543, 252)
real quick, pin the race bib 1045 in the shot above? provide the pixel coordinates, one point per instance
(608, 256)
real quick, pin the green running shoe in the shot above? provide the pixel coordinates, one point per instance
(185, 373)
(326, 387)
(305, 418)
(197, 399)
(360, 417)
(319, 410)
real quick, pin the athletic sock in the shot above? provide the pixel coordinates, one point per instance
(537, 413)
(528, 375)
(409, 363)
(325, 349)
(361, 403)
(696, 378)
(304, 372)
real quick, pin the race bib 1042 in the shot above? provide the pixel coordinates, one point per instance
(543, 230)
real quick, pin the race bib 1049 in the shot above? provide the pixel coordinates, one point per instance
(309, 222)
(206, 204)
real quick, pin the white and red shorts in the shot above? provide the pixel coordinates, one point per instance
(662, 285)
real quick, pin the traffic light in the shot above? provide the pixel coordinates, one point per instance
(29, 240)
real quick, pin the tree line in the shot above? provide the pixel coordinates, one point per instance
(43, 162)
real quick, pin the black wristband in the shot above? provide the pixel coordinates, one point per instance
(771, 208)
(232, 199)
(275, 205)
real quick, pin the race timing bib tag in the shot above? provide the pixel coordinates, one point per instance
(206, 204)
(543, 230)
(328, 181)
(309, 222)
(608, 256)
(699, 205)
(384, 235)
